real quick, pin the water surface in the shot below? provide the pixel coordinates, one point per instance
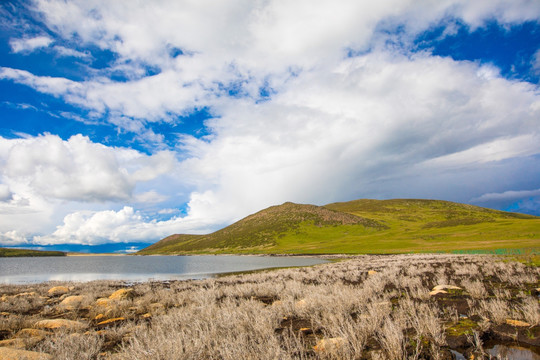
(136, 268)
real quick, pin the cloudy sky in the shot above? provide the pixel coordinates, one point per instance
(124, 121)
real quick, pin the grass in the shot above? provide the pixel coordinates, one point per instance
(365, 227)
(329, 311)
(7, 252)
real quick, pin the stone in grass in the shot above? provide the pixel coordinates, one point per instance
(58, 290)
(122, 294)
(104, 302)
(110, 322)
(18, 354)
(437, 292)
(329, 345)
(71, 302)
(372, 272)
(54, 324)
(517, 323)
(446, 287)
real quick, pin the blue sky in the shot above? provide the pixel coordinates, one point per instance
(122, 124)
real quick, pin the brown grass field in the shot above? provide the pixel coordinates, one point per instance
(361, 307)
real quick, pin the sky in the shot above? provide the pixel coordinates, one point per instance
(122, 122)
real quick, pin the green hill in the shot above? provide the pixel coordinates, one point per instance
(364, 226)
(7, 252)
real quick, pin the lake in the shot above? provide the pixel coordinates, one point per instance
(136, 268)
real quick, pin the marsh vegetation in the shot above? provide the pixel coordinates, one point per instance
(363, 307)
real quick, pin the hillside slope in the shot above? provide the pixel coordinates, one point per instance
(262, 229)
(364, 226)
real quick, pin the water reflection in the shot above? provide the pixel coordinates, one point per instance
(512, 352)
(136, 268)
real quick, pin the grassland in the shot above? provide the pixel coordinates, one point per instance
(7, 252)
(369, 307)
(365, 227)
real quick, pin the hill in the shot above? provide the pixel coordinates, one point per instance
(7, 252)
(363, 226)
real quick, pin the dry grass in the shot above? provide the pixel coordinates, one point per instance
(283, 314)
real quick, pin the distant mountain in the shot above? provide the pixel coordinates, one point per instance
(363, 226)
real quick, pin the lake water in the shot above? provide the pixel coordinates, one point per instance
(136, 268)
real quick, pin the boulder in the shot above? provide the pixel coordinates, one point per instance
(54, 324)
(122, 294)
(13, 343)
(58, 291)
(17, 354)
(446, 287)
(517, 323)
(71, 302)
(104, 302)
(437, 292)
(110, 322)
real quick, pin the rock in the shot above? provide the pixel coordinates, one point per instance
(446, 287)
(59, 324)
(17, 354)
(13, 343)
(122, 294)
(22, 342)
(71, 302)
(372, 272)
(517, 323)
(437, 292)
(58, 291)
(25, 294)
(111, 322)
(104, 302)
(329, 345)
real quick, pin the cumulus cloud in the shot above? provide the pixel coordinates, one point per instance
(125, 225)
(30, 44)
(5, 193)
(78, 169)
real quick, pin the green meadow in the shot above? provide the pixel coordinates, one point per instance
(366, 227)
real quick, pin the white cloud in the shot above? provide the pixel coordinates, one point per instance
(245, 42)
(507, 195)
(13, 237)
(78, 169)
(125, 225)
(45, 84)
(30, 44)
(67, 52)
(5, 193)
